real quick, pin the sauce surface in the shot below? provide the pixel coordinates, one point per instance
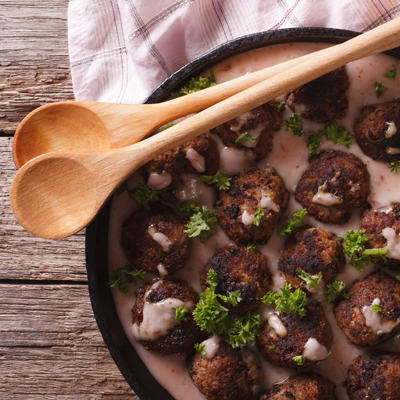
(289, 157)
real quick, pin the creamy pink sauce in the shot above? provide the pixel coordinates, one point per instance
(289, 157)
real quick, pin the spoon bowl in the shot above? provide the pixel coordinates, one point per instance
(55, 195)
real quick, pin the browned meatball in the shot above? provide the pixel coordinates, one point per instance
(376, 131)
(242, 270)
(262, 122)
(333, 185)
(374, 376)
(356, 317)
(154, 323)
(142, 250)
(312, 250)
(306, 386)
(250, 190)
(374, 222)
(280, 351)
(325, 97)
(229, 375)
(174, 165)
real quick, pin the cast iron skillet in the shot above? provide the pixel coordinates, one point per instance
(126, 358)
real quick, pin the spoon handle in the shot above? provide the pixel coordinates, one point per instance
(380, 39)
(130, 123)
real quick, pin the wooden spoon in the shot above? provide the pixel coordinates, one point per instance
(56, 195)
(92, 126)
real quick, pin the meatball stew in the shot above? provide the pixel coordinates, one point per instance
(323, 348)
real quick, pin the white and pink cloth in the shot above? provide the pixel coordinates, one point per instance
(121, 50)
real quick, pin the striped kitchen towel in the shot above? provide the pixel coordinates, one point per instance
(121, 50)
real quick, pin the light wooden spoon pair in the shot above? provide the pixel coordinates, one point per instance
(56, 195)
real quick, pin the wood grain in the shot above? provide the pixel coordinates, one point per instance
(50, 346)
(34, 64)
(27, 257)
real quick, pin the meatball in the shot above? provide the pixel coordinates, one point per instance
(374, 376)
(324, 98)
(312, 250)
(242, 270)
(379, 225)
(154, 240)
(306, 386)
(376, 131)
(297, 337)
(261, 122)
(232, 374)
(362, 323)
(253, 192)
(167, 172)
(333, 185)
(154, 317)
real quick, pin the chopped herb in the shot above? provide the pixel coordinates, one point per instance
(293, 223)
(392, 341)
(258, 216)
(220, 179)
(379, 89)
(245, 329)
(397, 277)
(376, 308)
(176, 191)
(272, 347)
(200, 348)
(294, 124)
(181, 314)
(121, 189)
(202, 223)
(335, 290)
(281, 106)
(251, 246)
(391, 74)
(355, 243)
(246, 136)
(142, 195)
(311, 281)
(195, 86)
(168, 125)
(209, 313)
(122, 276)
(314, 140)
(394, 165)
(337, 134)
(299, 360)
(287, 301)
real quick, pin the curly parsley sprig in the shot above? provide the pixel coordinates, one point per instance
(311, 281)
(245, 329)
(287, 301)
(220, 179)
(379, 89)
(336, 290)
(195, 86)
(355, 240)
(246, 136)
(294, 124)
(209, 313)
(181, 314)
(142, 194)
(293, 223)
(203, 222)
(391, 74)
(122, 276)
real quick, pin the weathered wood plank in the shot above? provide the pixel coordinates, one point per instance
(34, 63)
(50, 347)
(24, 256)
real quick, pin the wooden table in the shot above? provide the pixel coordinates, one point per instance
(50, 347)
